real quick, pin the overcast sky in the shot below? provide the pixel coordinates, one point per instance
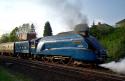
(62, 14)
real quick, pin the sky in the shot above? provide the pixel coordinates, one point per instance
(63, 15)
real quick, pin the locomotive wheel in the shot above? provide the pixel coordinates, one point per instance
(63, 60)
(37, 57)
(51, 59)
(56, 61)
(34, 57)
(71, 61)
(67, 61)
(45, 59)
(18, 56)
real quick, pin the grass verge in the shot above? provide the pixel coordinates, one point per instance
(6, 75)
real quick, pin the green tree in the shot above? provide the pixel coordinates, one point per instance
(4, 38)
(112, 38)
(101, 30)
(115, 43)
(47, 29)
(13, 35)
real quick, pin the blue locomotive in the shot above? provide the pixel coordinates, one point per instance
(60, 48)
(73, 46)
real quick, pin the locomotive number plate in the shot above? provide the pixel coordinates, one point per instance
(77, 42)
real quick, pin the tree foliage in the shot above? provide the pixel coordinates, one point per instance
(13, 35)
(101, 30)
(113, 39)
(9, 37)
(4, 38)
(115, 43)
(47, 29)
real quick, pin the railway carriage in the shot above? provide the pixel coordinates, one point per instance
(7, 48)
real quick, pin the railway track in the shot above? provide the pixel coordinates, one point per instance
(74, 73)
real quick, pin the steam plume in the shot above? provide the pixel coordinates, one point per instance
(70, 12)
(118, 67)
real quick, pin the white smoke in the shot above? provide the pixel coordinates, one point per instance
(69, 12)
(118, 67)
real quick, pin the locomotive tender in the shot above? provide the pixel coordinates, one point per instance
(63, 48)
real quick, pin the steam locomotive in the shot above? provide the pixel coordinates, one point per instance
(58, 48)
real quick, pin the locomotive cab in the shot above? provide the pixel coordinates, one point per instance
(33, 45)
